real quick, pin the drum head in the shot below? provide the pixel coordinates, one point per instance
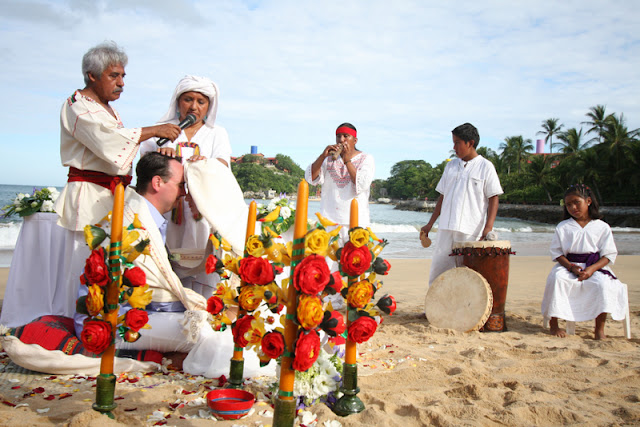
(459, 299)
(503, 244)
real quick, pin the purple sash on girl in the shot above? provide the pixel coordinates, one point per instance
(589, 259)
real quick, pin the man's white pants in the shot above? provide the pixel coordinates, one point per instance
(441, 260)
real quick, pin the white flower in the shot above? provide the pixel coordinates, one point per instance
(34, 204)
(285, 212)
(308, 418)
(47, 206)
(271, 206)
(332, 423)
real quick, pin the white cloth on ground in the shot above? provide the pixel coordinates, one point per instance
(338, 190)
(441, 260)
(566, 297)
(467, 187)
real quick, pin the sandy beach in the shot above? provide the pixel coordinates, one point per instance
(410, 373)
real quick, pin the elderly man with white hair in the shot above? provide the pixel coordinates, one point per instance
(99, 152)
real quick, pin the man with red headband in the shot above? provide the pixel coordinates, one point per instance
(344, 173)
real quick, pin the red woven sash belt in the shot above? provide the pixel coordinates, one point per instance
(99, 178)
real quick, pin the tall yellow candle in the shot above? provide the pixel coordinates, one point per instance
(287, 374)
(350, 348)
(251, 229)
(113, 287)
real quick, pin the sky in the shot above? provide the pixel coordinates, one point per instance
(405, 73)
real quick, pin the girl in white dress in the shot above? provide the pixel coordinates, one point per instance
(581, 286)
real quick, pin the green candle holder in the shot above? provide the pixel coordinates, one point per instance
(105, 392)
(284, 412)
(236, 372)
(349, 403)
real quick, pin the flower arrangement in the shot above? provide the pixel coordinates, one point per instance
(279, 214)
(358, 260)
(318, 383)
(26, 204)
(96, 334)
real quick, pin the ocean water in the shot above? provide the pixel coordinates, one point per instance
(400, 228)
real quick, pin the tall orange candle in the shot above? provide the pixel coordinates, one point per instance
(350, 347)
(113, 288)
(251, 229)
(287, 374)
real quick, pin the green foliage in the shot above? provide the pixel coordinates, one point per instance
(256, 177)
(611, 167)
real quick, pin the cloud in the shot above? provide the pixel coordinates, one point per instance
(289, 72)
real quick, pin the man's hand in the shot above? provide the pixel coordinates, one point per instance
(167, 130)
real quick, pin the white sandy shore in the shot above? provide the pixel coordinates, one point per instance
(411, 374)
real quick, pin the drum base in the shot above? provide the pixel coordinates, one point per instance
(495, 323)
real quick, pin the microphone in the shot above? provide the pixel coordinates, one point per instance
(188, 121)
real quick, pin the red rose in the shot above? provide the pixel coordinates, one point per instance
(362, 329)
(335, 284)
(134, 277)
(354, 261)
(215, 305)
(96, 336)
(239, 330)
(333, 323)
(95, 269)
(307, 350)
(387, 304)
(256, 271)
(381, 266)
(213, 265)
(273, 344)
(311, 275)
(135, 319)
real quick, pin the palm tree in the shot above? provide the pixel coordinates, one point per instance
(598, 117)
(617, 142)
(571, 141)
(551, 128)
(514, 150)
(539, 171)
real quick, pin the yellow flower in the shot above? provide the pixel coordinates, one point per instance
(140, 296)
(94, 236)
(231, 263)
(310, 312)
(95, 300)
(359, 294)
(250, 297)
(254, 246)
(358, 236)
(316, 242)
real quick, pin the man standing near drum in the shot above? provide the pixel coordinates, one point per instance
(468, 202)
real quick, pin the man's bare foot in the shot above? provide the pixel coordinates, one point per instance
(555, 329)
(599, 330)
(176, 360)
(599, 335)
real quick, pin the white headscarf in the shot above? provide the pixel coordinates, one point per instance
(193, 84)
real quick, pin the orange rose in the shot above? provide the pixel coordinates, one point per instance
(359, 294)
(310, 312)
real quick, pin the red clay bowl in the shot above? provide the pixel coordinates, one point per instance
(230, 404)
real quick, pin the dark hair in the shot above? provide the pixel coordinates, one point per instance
(467, 132)
(349, 125)
(150, 165)
(582, 191)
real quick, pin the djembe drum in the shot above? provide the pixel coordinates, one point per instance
(491, 260)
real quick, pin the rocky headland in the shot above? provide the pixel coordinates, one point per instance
(616, 216)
